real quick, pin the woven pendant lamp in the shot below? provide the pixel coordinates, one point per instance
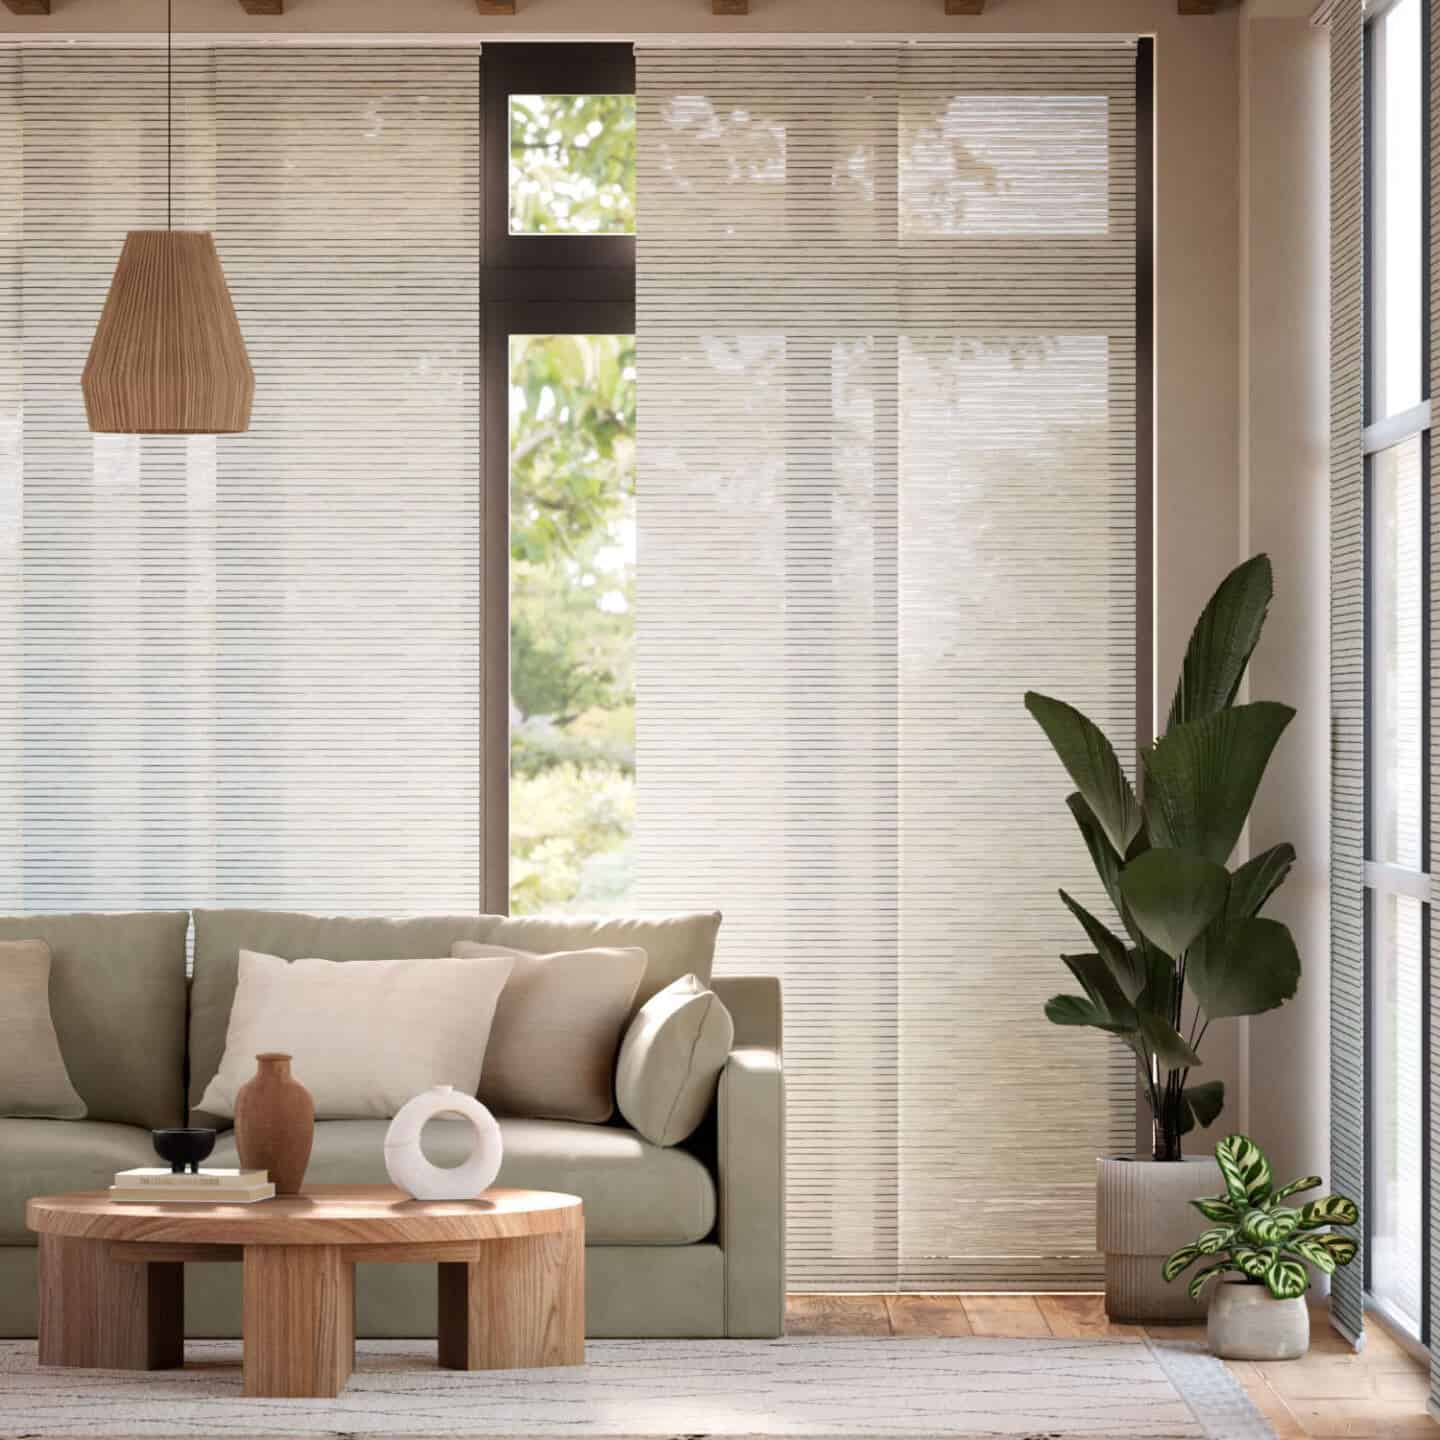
(168, 357)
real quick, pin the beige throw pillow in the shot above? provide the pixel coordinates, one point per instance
(34, 1083)
(366, 1035)
(671, 1061)
(557, 1029)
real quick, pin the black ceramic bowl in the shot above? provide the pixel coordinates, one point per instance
(183, 1147)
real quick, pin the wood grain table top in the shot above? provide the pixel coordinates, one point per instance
(319, 1215)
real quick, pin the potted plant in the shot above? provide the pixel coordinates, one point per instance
(1267, 1244)
(1188, 944)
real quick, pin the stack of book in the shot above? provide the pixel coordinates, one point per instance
(153, 1185)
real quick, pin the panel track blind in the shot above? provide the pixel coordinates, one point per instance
(245, 670)
(1347, 633)
(1432, 1079)
(886, 301)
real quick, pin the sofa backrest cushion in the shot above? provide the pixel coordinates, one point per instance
(220, 936)
(34, 1084)
(674, 945)
(117, 997)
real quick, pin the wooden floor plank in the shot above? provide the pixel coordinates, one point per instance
(1180, 1334)
(1272, 1406)
(1321, 1377)
(1000, 1317)
(1332, 1393)
(1361, 1420)
(837, 1315)
(923, 1316)
(1411, 1386)
(1382, 1350)
(1083, 1317)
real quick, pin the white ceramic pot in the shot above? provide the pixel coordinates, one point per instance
(1142, 1216)
(1246, 1322)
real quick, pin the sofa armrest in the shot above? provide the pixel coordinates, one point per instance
(751, 1174)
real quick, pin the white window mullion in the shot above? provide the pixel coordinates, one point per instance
(1395, 429)
(1396, 880)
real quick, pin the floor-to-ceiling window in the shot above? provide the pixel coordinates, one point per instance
(1397, 449)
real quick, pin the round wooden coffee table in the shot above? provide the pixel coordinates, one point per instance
(512, 1278)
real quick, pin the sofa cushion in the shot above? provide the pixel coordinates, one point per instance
(674, 945)
(220, 936)
(635, 1193)
(557, 1031)
(671, 1061)
(364, 1039)
(50, 1157)
(34, 1083)
(117, 996)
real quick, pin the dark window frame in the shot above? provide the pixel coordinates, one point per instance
(1146, 699)
(529, 285)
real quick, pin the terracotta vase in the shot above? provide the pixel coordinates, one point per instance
(275, 1123)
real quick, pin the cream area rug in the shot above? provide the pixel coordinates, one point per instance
(1033, 1389)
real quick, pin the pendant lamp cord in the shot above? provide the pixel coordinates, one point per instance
(169, 115)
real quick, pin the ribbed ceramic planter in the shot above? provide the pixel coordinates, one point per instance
(1246, 1322)
(1143, 1215)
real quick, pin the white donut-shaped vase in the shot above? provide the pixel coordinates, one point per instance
(405, 1161)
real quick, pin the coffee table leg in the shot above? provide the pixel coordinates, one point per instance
(108, 1314)
(299, 1320)
(521, 1305)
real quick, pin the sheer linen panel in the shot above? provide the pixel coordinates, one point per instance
(1347, 632)
(246, 671)
(1432, 1000)
(887, 482)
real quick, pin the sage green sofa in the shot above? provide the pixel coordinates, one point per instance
(682, 1241)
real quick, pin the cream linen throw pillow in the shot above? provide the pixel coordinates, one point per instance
(365, 1035)
(34, 1083)
(671, 1061)
(557, 1030)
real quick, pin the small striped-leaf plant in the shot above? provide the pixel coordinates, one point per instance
(1254, 1234)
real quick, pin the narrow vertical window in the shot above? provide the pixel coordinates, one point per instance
(1397, 448)
(572, 621)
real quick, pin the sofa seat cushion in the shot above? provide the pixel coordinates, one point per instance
(51, 1157)
(635, 1193)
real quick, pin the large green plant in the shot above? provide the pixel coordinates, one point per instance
(1189, 926)
(1260, 1238)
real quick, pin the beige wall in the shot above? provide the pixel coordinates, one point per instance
(1284, 454)
(1197, 520)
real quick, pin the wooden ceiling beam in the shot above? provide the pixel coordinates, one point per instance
(730, 7)
(495, 7)
(28, 7)
(964, 7)
(263, 7)
(1199, 7)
